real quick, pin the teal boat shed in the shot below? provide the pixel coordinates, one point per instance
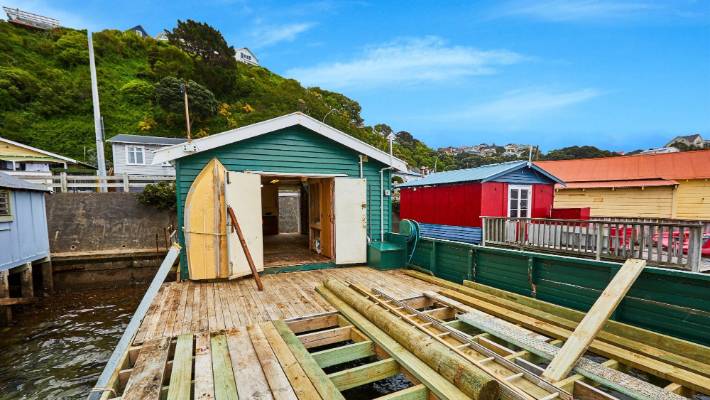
(331, 190)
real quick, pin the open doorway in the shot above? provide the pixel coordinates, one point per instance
(297, 215)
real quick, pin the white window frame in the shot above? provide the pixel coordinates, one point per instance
(511, 188)
(128, 152)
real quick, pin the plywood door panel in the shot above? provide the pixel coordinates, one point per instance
(243, 194)
(327, 217)
(350, 220)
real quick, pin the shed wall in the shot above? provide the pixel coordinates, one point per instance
(121, 167)
(651, 202)
(693, 199)
(293, 150)
(25, 238)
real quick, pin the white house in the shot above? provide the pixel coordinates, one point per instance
(133, 154)
(246, 56)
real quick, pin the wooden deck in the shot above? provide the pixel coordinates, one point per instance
(193, 307)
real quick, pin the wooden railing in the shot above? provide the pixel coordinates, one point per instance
(93, 183)
(672, 244)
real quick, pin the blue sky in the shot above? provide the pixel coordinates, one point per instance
(620, 75)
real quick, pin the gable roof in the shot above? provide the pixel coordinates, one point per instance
(483, 173)
(139, 28)
(8, 181)
(669, 166)
(46, 153)
(260, 128)
(250, 52)
(140, 139)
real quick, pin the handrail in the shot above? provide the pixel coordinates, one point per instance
(65, 183)
(676, 244)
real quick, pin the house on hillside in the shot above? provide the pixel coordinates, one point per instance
(246, 56)
(343, 184)
(672, 185)
(138, 30)
(693, 141)
(22, 161)
(450, 204)
(660, 150)
(133, 154)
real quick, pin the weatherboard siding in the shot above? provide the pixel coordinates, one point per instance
(120, 166)
(693, 199)
(650, 202)
(523, 176)
(24, 238)
(295, 150)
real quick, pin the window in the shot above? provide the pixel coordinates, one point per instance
(5, 209)
(135, 155)
(519, 201)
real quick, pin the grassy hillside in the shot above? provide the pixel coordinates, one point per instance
(45, 94)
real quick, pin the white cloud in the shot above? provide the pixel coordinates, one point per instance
(521, 105)
(575, 10)
(406, 61)
(46, 9)
(269, 35)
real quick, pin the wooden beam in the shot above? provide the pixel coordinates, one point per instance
(278, 381)
(326, 337)
(147, 377)
(436, 383)
(350, 352)
(596, 317)
(181, 374)
(416, 392)
(312, 323)
(364, 374)
(320, 380)
(26, 282)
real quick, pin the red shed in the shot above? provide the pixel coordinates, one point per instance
(461, 197)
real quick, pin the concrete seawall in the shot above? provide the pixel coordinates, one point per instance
(105, 239)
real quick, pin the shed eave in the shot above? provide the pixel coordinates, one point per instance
(236, 135)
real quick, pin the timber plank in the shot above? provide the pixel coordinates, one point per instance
(326, 337)
(578, 342)
(275, 376)
(181, 375)
(299, 381)
(248, 373)
(319, 379)
(204, 384)
(225, 388)
(416, 392)
(146, 380)
(364, 374)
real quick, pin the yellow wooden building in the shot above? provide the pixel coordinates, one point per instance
(22, 160)
(672, 185)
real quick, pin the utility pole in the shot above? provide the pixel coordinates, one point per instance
(187, 111)
(98, 123)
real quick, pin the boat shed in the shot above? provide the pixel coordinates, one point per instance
(23, 222)
(444, 202)
(341, 186)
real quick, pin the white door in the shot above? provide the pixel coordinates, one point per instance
(350, 220)
(243, 194)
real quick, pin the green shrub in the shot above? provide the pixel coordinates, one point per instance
(73, 49)
(160, 195)
(138, 91)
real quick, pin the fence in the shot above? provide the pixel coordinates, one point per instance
(672, 244)
(84, 183)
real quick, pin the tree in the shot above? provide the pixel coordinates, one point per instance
(383, 129)
(202, 102)
(574, 152)
(201, 41)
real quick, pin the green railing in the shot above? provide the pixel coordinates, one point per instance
(667, 301)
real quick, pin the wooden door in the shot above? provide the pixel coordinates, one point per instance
(243, 194)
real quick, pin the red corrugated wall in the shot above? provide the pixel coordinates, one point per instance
(463, 204)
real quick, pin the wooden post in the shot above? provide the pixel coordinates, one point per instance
(600, 242)
(63, 181)
(484, 230)
(5, 312)
(694, 247)
(26, 281)
(47, 277)
(126, 187)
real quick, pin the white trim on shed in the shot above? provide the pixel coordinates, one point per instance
(235, 135)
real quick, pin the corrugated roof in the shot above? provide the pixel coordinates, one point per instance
(619, 184)
(482, 173)
(10, 182)
(140, 139)
(669, 166)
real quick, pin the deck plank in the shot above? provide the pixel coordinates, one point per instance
(146, 379)
(225, 387)
(181, 375)
(278, 382)
(248, 373)
(204, 384)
